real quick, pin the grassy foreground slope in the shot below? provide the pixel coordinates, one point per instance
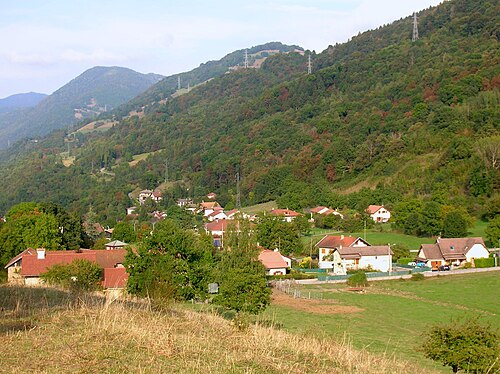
(391, 316)
(64, 334)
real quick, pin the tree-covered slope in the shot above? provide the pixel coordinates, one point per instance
(91, 93)
(408, 119)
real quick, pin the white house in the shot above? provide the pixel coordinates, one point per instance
(217, 215)
(324, 211)
(155, 195)
(378, 213)
(452, 251)
(274, 262)
(356, 258)
(329, 243)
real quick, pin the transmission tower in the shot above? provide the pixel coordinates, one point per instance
(179, 82)
(309, 66)
(238, 196)
(246, 58)
(415, 28)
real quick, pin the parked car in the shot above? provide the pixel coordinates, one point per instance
(412, 263)
(444, 268)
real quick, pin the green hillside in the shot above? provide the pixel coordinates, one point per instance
(381, 119)
(93, 92)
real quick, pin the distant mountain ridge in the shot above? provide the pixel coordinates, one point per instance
(20, 101)
(96, 90)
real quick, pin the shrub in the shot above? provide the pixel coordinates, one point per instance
(357, 280)
(466, 345)
(484, 262)
(79, 275)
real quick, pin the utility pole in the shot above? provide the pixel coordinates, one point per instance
(309, 66)
(414, 37)
(246, 59)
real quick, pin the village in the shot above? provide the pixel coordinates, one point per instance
(335, 257)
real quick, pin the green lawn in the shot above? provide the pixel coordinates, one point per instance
(396, 313)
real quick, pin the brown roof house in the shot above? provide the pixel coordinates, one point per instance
(452, 251)
(342, 253)
(27, 266)
(274, 262)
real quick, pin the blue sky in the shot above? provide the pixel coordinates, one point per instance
(45, 44)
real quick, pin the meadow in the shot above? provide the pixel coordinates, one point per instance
(391, 316)
(45, 330)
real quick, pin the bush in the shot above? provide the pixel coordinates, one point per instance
(466, 345)
(79, 275)
(484, 262)
(357, 280)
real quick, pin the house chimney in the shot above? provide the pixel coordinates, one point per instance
(40, 253)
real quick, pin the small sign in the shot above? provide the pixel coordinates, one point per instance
(213, 288)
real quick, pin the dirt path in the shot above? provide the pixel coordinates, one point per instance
(311, 305)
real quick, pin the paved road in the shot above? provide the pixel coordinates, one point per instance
(426, 274)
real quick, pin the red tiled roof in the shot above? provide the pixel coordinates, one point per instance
(332, 241)
(431, 251)
(285, 212)
(374, 208)
(115, 277)
(232, 212)
(272, 260)
(157, 193)
(358, 252)
(318, 209)
(218, 225)
(32, 266)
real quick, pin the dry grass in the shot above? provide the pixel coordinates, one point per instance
(92, 336)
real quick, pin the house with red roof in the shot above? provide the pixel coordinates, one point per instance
(324, 211)
(452, 251)
(217, 215)
(379, 213)
(287, 214)
(274, 262)
(343, 253)
(26, 267)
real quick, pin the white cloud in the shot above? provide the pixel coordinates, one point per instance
(96, 56)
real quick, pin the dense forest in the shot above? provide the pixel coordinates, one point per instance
(381, 119)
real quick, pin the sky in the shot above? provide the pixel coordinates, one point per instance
(46, 43)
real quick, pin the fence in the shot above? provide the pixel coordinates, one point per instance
(378, 274)
(291, 287)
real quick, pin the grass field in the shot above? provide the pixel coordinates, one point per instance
(258, 208)
(392, 315)
(51, 331)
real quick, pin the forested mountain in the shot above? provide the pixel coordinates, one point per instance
(20, 101)
(96, 90)
(206, 71)
(381, 119)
